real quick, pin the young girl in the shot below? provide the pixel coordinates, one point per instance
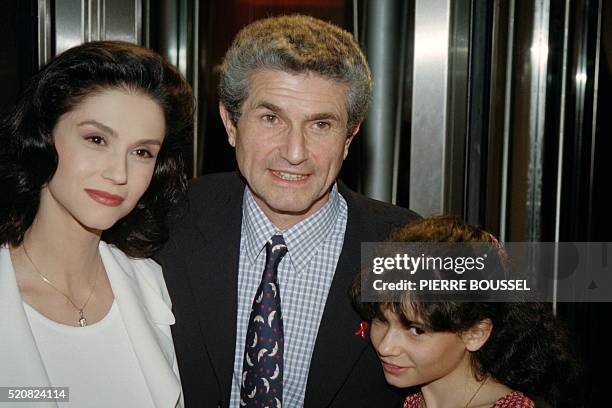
(466, 354)
(91, 163)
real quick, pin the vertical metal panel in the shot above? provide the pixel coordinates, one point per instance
(403, 98)
(145, 14)
(383, 35)
(559, 181)
(539, 67)
(429, 96)
(562, 110)
(139, 22)
(44, 32)
(71, 17)
(525, 118)
(460, 102)
(93, 23)
(507, 124)
(179, 45)
(120, 20)
(481, 31)
(168, 25)
(594, 118)
(198, 152)
(183, 58)
(577, 183)
(175, 42)
(497, 99)
(78, 21)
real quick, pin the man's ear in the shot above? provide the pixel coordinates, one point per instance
(350, 138)
(476, 336)
(230, 128)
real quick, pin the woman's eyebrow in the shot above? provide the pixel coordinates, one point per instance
(99, 125)
(148, 142)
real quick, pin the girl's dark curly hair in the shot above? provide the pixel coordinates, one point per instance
(527, 349)
(28, 158)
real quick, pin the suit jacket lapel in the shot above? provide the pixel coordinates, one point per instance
(20, 361)
(147, 319)
(214, 279)
(337, 348)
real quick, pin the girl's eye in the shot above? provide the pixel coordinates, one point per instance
(145, 154)
(416, 331)
(99, 140)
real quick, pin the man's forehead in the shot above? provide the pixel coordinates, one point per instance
(297, 74)
(275, 89)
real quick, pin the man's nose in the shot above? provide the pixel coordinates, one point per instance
(295, 151)
(115, 169)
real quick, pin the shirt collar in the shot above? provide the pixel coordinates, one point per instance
(302, 239)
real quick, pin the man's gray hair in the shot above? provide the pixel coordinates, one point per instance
(296, 44)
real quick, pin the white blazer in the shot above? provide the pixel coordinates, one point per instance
(144, 305)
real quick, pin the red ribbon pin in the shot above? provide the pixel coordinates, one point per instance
(363, 326)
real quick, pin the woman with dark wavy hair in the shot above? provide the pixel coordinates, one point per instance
(467, 354)
(91, 162)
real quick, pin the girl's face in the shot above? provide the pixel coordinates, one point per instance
(107, 148)
(411, 356)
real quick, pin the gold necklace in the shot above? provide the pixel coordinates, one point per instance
(423, 404)
(476, 393)
(82, 320)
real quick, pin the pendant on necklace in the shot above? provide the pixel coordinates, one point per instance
(82, 319)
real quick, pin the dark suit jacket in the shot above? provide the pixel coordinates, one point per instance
(200, 264)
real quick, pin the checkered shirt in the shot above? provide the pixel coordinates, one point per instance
(305, 275)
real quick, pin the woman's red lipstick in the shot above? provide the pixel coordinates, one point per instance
(105, 198)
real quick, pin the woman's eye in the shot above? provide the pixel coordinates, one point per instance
(99, 140)
(144, 153)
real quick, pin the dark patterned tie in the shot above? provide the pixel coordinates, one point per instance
(261, 384)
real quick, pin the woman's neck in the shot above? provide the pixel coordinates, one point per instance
(63, 250)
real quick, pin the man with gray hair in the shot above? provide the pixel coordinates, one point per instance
(260, 267)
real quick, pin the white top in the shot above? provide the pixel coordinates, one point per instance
(144, 312)
(96, 362)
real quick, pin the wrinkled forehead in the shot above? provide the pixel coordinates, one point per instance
(305, 91)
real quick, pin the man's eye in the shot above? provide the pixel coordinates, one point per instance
(321, 125)
(99, 140)
(269, 118)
